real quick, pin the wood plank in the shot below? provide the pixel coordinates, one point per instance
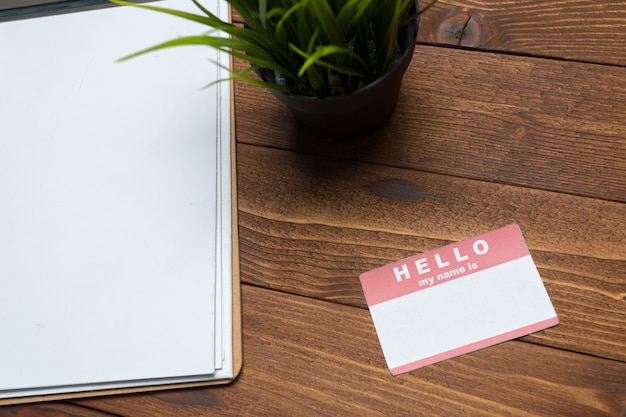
(552, 125)
(50, 410)
(311, 225)
(291, 359)
(565, 29)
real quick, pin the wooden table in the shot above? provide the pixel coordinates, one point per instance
(511, 112)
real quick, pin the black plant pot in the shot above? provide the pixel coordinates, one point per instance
(358, 114)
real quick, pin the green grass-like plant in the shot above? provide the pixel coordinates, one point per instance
(320, 48)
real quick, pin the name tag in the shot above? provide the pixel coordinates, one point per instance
(457, 299)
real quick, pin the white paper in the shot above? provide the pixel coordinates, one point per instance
(110, 202)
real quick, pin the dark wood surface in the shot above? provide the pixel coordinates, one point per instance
(511, 112)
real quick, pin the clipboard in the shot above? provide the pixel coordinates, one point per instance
(138, 162)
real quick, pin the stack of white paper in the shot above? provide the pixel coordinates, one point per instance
(115, 204)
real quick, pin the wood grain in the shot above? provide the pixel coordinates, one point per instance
(538, 123)
(50, 410)
(511, 112)
(293, 369)
(310, 225)
(565, 29)
(576, 30)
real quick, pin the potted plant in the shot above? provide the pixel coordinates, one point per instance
(337, 64)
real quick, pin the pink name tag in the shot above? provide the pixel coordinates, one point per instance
(457, 299)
